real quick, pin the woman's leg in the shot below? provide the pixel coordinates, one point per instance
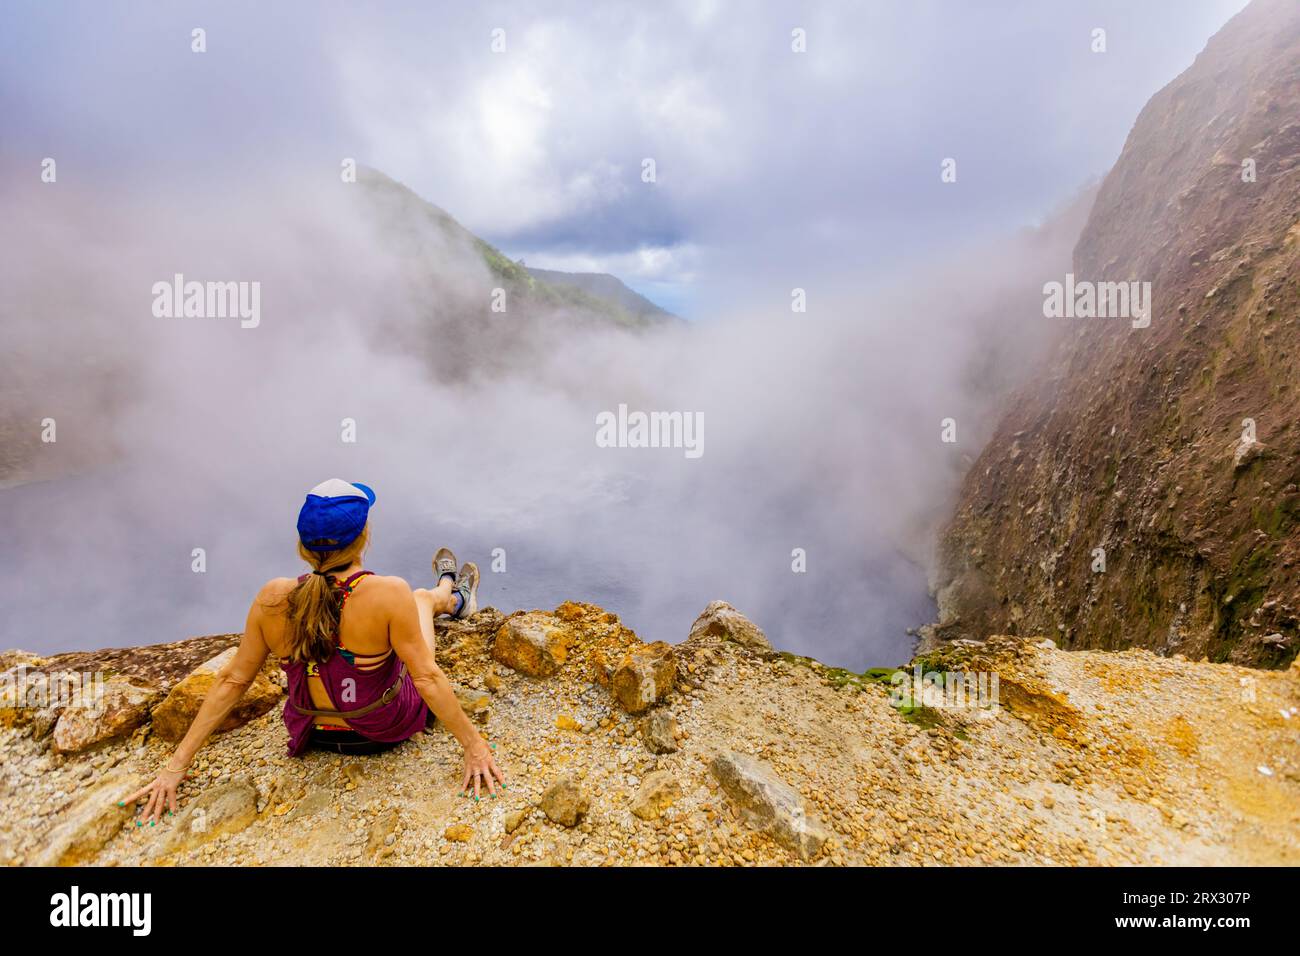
(431, 603)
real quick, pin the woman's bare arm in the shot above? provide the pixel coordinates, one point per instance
(230, 686)
(408, 642)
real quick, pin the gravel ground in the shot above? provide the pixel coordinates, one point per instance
(1090, 758)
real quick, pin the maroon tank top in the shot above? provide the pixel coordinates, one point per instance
(350, 688)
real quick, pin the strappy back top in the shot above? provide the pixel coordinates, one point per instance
(365, 662)
(375, 683)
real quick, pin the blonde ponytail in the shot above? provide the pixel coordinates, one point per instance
(315, 605)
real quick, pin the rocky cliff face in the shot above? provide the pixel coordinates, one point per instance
(716, 751)
(1142, 491)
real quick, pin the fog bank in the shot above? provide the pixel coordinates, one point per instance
(822, 429)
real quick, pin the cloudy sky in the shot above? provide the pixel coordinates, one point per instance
(775, 169)
(771, 165)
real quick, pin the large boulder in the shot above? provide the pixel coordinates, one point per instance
(565, 802)
(86, 826)
(159, 665)
(659, 732)
(515, 818)
(644, 676)
(769, 804)
(28, 694)
(720, 619)
(534, 643)
(656, 794)
(116, 709)
(225, 808)
(172, 718)
(458, 833)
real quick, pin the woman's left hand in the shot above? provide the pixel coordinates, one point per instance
(481, 771)
(161, 794)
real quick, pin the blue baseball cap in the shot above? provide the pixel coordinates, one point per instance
(334, 514)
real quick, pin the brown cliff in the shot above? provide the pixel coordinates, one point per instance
(1131, 439)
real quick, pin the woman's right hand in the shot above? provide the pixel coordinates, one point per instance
(481, 770)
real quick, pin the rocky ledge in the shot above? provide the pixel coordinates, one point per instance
(715, 751)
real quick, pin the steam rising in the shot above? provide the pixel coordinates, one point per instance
(477, 430)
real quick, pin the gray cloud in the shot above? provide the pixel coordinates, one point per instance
(766, 159)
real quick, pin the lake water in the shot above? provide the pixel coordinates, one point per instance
(75, 579)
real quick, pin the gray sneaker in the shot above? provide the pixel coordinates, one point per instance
(444, 562)
(467, 585)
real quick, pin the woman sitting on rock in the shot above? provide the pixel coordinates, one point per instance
(357, 649)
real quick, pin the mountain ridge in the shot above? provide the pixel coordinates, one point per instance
(549, 288)
(606, 286)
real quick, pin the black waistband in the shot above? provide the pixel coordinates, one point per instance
(347, 742)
